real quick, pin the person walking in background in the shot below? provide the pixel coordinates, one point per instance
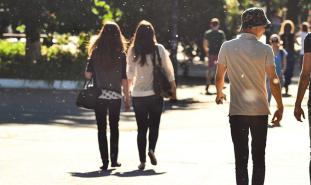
(247, 62)
(213, 38)
(142, 54)
(107, 65)
(280, 55)
(275, 22)
(302, 34)
(288, 37)
(302, 86)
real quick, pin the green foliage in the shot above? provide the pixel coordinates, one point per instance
(46, 16)
(21, 28)
(10, 49)
(55, 64)
(83, 42)
(193, 16)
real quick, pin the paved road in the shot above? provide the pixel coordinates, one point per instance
(45, 140)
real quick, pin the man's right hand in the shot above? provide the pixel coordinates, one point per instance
(277, 117)
(220, 97)
(298, 112)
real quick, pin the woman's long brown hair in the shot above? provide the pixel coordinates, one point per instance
(287, 24)
(109, 43)
(143, 41)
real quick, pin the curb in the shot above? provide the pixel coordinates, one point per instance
(40, 84)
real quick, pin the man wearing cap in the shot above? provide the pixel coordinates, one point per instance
(213, 38)
(247, 61)
(303, 85)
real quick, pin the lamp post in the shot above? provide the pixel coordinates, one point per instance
(174, 35)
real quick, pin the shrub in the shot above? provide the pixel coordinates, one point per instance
(57, 63)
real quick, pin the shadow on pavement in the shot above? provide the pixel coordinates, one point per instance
(136, 173)
(92, 174)
(190, 81)
(181, 104)
(39, 106)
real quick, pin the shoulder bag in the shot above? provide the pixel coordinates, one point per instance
(161, 84)
(88, 96)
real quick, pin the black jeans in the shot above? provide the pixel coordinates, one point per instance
(240, 126)
(289, 71)
(148, 112)
(113, 108)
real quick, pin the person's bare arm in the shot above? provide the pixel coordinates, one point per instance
(205, 45)
(303, 85)
(284, 61)
(126, 92)
(276, 92)
(220, 81)
(173, 90)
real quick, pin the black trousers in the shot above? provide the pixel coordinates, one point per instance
(148, 112)
(113, 108)
(289, 71)
(240, 126)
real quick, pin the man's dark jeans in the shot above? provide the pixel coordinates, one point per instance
(113, 108)
(240, 126)
(148, 112)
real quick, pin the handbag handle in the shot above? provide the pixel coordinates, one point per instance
(156, 54)
(88, 83)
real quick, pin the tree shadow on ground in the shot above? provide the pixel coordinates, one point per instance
(136, 173)
(92, 174)
(39, 106)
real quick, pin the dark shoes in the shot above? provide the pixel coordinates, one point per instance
(141, 166)
(209, 93)
(152, 157)
(286, 95)
(115, 164)
(104, 167)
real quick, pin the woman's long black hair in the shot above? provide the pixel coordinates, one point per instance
(143, 41)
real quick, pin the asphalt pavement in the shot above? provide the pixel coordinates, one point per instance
(46, 140)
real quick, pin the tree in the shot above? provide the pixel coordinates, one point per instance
(193, 16)
(49, 16)
(4, 19)
(296, 8)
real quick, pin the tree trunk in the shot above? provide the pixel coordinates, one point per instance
(174, 35)
(33, 45)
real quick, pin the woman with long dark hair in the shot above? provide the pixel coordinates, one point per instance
(142, 54)
(107, 66)
(288, 37)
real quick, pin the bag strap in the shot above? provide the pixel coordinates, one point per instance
(156, 54)
(87, 83)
